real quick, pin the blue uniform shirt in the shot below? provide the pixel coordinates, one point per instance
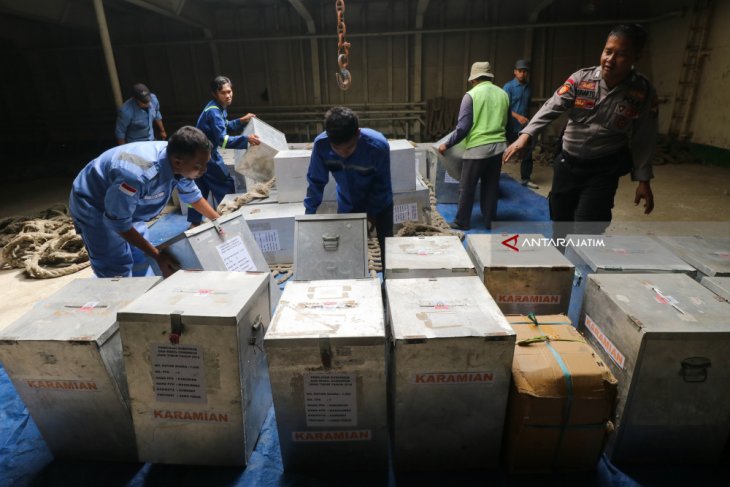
(134, 124)
(215, 125)
(127, 184)
(363, 179)
(519, 102)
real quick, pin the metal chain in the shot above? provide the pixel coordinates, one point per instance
(344, 79)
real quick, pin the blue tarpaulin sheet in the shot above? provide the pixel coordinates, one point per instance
(26, 460)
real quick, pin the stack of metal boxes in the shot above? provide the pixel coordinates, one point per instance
(197, 371)
(709, 255)
(451, 365)
(666, 339)
(326, 349)
(439, 256)
(330, 247)
(522, 272)
(617, 254)
(64, 357)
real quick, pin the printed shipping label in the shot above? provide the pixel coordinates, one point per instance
(330, 399)
(405, 212)
(235, 256)
(178, 373)
(268, 240)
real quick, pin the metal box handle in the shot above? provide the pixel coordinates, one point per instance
(694, 369)
(330, 241)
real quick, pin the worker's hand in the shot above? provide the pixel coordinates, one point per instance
(253, 139)
(163, 135)
(247, 117)
(442, 149)
(523, 120)
(515, 152)
(643, 192)
(167, 263)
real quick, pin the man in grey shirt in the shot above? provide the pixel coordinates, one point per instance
(611, 131)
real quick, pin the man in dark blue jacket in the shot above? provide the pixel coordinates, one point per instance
(215, 125)
(359, 160)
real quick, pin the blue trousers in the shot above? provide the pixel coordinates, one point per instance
(109, 253)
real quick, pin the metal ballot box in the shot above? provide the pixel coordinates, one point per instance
(326, 350)
(206, 248)
(718, 285)
(522, 273)
(330, 247)
(197, 371)
(617, 254)
(290, 169)
(64, 357)
(435, 256)
(273, 229)
(448, 171)
(709, 255)
(666, 339)
(257, 161)
(451, 369)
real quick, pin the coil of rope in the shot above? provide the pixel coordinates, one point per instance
(44, 245)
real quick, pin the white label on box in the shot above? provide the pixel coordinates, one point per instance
(178, 373)
(405, 213)
(444, 319)
(606, 344)
(449, 180)
(428, 378)
(348, 435)
(328, 292)
(330, 399)
(268, 240)
(235, 256)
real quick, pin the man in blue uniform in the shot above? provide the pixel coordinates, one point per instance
(215, 125)
(116, 193)
(136, 116)
(359, 160)
(520, 96)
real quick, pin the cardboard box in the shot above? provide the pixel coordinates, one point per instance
(547, 427)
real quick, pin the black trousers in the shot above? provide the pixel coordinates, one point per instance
(384, 228)
(472, 170)
(582, 194)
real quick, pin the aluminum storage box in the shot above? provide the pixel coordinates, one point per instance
(412, 206)
(435, 256)
(198, 378)
(617, 254)
(666, 339)
(535, 278)
(326, 349)
(273, 228)
(204, 248)
(709, 255)
(402, 165)
(257, 161)
(451, 369)
(718, 285)
(64, 357)
(290, 169)
(447, 172)
(229, 159)
(330, 247)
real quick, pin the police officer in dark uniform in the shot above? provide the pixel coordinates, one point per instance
(611, 131)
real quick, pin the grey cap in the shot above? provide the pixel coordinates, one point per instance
(522, 64)
(141, 92)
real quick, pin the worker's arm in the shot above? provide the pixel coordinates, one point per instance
(161, 129)
(317, 178)
(167, 264)
(203, 207)
(463, 124)
(124, 118)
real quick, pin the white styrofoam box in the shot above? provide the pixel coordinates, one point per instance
(257, 162)
(402, 165)
(273, 228)
(290, 169)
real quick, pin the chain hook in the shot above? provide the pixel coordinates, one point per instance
(344, 78)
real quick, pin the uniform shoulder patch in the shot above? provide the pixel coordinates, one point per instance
(566, 87)
(127, 189)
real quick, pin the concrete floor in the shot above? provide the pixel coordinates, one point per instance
(690, 199)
